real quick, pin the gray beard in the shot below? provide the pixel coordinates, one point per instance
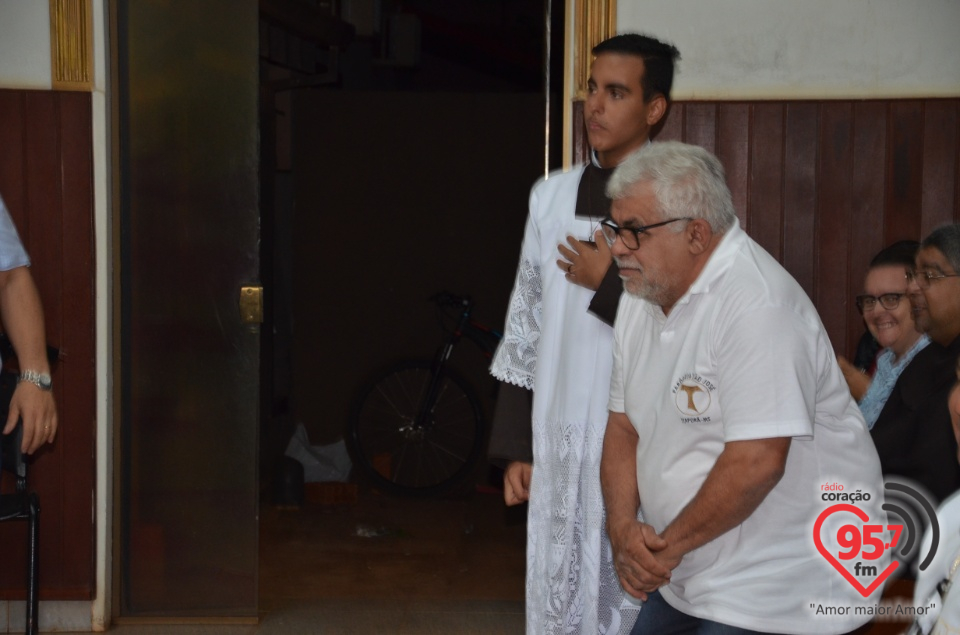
(646, 290)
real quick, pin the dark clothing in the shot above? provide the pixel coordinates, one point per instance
(659, 617)
(866, 356)
(592, 202)
(511, 436)
(913, 435)
(607, 298)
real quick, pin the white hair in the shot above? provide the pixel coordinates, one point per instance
(688, 181)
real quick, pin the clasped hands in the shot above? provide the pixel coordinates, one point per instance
(642, 559)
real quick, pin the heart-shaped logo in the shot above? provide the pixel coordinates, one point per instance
(862, 515)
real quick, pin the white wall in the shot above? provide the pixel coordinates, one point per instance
(783, 49)
(25, 44)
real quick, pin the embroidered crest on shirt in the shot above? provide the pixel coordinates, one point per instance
(692, 395)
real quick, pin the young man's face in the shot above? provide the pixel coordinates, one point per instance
(617, 119)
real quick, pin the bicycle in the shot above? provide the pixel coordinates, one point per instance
(416, 428)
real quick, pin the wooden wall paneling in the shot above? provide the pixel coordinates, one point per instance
(581, 148)
(733, 150)
(904, 183)
(11, 188)
(833, 214)
(800, 182)
(671, 127)
(46, 176)
(823, 185)
(867, 202)
(41, 227)
(43, 230)
(700, 125)
(11, 160)
(938, 185)
(765, 188)
(78, 393)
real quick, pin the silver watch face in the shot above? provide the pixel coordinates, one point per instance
(42, 381)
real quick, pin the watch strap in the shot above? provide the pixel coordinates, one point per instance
(38, 379)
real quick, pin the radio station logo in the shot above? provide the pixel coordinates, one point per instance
(866, 551)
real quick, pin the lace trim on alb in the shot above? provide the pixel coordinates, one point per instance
(515, 361)
(572, 587)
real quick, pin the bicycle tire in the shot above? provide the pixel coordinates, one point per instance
(393, 456)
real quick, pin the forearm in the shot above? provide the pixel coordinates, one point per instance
(745, 472)
(22, 316)
(618, 471)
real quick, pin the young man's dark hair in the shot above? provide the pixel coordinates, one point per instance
(658, 60)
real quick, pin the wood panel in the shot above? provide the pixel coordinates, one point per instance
(46, 176)
(824, 185)
(765, 185)
(867, 190)
(941, 147)
(800, 183)
(901, 217)
(833, 219)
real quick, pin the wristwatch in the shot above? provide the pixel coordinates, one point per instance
(40, 380)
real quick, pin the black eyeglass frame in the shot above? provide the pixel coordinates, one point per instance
(608, 224)
(872, 300)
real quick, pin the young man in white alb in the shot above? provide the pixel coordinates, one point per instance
(555, 347)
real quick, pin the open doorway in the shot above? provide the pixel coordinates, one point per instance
(399, 144)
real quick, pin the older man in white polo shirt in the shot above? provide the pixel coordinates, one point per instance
(729, 419)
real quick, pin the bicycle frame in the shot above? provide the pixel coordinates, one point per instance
(417, 427)
(440, 361)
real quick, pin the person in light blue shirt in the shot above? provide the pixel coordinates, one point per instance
(885, 308)
(22, 317)
(904, 405)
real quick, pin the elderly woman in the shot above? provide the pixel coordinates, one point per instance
(903, 402)
(886, 311)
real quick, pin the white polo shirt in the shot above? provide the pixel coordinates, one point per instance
(743, 355)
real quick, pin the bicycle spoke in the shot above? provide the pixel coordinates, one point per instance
(410, 452)
(389, 398)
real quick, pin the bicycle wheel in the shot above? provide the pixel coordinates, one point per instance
(419, 458)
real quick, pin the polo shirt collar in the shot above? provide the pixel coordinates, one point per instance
(719, 262)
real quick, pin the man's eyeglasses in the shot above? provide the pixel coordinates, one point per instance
(924, 278)
(629, 235)
(867, 303)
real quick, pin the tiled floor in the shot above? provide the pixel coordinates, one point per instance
(392, 549)
(384, 565)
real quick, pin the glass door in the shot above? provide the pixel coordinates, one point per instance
(189, 233)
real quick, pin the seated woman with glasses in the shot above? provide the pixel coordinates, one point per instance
(910, 443)
(886, 311)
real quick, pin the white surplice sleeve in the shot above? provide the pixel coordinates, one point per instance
(515, 361)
